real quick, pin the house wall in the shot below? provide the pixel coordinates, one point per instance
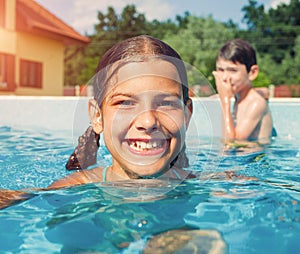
(7, 33)
(10, 19)
(51, 54)
(7, 45)
(34, 48)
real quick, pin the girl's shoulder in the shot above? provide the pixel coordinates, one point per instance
(80, 177)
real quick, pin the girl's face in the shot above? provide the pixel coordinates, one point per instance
(144, 119)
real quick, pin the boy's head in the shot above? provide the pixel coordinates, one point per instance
(239, 50)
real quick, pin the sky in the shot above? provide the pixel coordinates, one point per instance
(82, 14)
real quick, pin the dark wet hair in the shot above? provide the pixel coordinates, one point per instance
(136, 49)
(238, 50)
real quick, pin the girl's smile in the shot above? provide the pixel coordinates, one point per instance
(143, 117)
(147, 147)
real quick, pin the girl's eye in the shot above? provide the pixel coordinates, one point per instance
(170, 103)
(166, 103)
(125, 103)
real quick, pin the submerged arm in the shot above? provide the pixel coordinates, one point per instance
(11, 197)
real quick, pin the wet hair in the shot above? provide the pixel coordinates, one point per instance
(141, 48)
(238, 50)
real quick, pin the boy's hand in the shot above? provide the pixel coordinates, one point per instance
(223, 87)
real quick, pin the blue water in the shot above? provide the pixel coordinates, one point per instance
(256, 215)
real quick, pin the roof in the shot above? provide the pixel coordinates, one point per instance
(33, 18)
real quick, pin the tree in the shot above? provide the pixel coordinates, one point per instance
(254, 16)
(73, 64)
(274, 31)
(110, 29)
(198, 44)
(274, 34)
(159, 29)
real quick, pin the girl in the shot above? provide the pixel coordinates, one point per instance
(141, 106)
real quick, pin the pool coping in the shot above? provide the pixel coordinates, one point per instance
(69, 113)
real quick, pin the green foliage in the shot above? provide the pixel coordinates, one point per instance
(262, 80)
(269, 68)
(73, 65)
(159, 29)
(198, 44)
(275, 33)
(110, 29)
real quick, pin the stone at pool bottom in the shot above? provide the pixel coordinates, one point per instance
(186, 241)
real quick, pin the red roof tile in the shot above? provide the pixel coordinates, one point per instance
(33, 18)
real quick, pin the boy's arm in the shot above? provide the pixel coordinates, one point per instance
(247, 122)
(225, 94)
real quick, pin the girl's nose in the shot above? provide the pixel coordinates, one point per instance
(147, 121)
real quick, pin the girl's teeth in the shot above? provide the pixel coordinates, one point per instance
(138, 145)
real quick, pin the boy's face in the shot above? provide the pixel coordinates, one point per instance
(234, 74)
(144, 119)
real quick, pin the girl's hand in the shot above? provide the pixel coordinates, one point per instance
(11, 197)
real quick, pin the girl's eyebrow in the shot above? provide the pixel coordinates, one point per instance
(113, 95)
(121, 94)
(136, 95)
(169, 95)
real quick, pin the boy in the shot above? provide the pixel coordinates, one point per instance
(250, 119)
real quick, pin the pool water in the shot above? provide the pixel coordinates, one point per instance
(258, 214)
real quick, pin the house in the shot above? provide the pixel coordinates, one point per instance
(32, 44)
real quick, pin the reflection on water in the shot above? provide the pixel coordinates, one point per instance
(250, 199)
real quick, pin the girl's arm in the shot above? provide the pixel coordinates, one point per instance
(11, 197)
(79, 177)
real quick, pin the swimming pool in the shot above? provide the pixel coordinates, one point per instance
(253, 216)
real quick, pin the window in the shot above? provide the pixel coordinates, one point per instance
(3, 74)
(7, 72)
(2, 13)
(30, 74)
